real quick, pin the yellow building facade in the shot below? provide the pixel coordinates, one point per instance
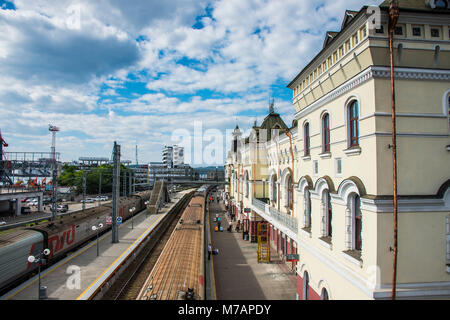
(326, 185)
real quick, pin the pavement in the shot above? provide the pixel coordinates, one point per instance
(236, 271)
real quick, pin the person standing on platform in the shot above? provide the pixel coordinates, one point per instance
(209, 251)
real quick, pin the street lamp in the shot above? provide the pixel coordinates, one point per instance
(38, 259)
(132, 214)
(146, 210)
(95, 228)
(264, 188)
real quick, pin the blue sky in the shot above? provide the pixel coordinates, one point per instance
(104, 71)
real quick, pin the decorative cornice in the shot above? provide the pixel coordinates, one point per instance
(371, 73)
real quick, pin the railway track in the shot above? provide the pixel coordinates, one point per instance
(178, 273)
(130, 282)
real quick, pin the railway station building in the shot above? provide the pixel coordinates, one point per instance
(325, 184)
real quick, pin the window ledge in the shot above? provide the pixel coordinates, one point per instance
(306, 232)
(326, 242)
(306, 158)
(354, 257)
(353, 151)
(325, 155)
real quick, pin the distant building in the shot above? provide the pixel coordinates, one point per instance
(173, 156)
(161, 171)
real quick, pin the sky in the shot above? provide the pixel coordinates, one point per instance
(140, 72)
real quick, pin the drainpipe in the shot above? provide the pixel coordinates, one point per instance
(288, 133)
(393, 18)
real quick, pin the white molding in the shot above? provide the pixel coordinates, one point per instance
(410, 205)
(325, 155)
(414, 134)
(412, 115)
(325, 244)
(354, 261)
(353, 151)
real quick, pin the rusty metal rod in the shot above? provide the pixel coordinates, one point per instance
(393, 18)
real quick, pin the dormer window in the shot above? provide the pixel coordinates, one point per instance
(380, 30)
(417, 31)
(347, 46)
(363, 32)
(435, 32)
(398, 31)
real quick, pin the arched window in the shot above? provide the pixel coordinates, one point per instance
(307, 139)
(307, 213)
(353, 124)
(328, 214)
(306, 286)
(324, 294)
(289, 192)
(326, 133)
(274, 188)
(357, 223)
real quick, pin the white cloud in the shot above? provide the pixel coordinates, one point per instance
(54, 67)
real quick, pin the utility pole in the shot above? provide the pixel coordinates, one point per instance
(136, 156)
(129, 183)
(84, 190)
(53, 130)
(115, 192)
(124, 183)
(393, 18)
(100, 185)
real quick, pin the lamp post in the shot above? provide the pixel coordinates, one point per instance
(146, 208)
(38, 259)
(264, 188)
(95, 228)
(132, 215)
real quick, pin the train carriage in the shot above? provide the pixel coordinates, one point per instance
(61, 237)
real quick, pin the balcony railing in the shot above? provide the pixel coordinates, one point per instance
(283, 218)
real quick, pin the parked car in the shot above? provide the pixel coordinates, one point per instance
(62, 208)
(33, 202)
(2, 223)
(88, 200)
(25, 210)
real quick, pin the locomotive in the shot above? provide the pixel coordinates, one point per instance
(60, 237)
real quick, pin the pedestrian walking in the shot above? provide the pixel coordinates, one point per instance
(209, 251)
(238, 225)
(230, 227)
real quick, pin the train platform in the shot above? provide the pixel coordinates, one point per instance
(235, 272)
(79, 275)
